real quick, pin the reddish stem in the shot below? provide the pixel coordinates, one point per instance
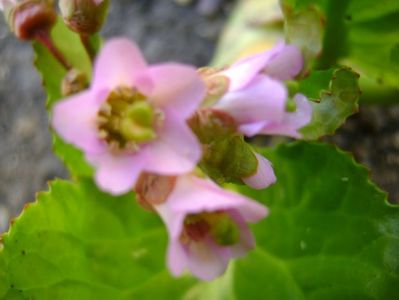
(43, 37)
(85, 39)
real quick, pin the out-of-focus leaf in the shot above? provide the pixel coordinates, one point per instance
(361, 34)
(335, 103)
(52, 74)
(254, 26)
(76, 242)
(304, 28)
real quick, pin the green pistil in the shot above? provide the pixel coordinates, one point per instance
(126, 119)
(292, 86)
(224, 229)
(221, 227)
(290, 106)
(137, 123)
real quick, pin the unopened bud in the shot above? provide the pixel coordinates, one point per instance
(152, 189)
(226, 156)
(29, 18)
(84, 16)
(74, 82)
(210, 124)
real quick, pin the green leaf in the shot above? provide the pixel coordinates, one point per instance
(363, 34)
(52, 74)
(335, 104)
(316, 83)
(330, 234)
(76, 242)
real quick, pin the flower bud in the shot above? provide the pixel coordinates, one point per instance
(226, 156)
(30, 17)
(84, 16)
(152, 189)
(74, 82)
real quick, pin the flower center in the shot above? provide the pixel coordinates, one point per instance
(127, 119)
(217, 225)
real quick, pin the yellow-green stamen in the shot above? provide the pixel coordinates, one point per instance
(127, 119)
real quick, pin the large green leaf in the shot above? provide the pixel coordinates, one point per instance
(76, 242)
(52, 73)
(335, 102)
(330, 235)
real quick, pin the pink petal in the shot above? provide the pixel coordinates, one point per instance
(262, 100)
(286, 64)
(205, 195)
(242, 72)
(264, 175)
(74, 119)
(205, 262)
(177, 257)
(173, 219)
(118, 63)
(176, 151)
(292, 122)
(178, 86)
(252, 129)
(245, 244)
(117, 174)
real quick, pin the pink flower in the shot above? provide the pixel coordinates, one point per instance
(257, 98)
(133, 117)
(207, 226)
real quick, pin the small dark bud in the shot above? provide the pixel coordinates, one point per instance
(74, 82)
(226, 155)
(29, 18)
(152, 189)
(84, 16)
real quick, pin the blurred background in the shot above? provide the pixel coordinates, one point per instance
(180, 30)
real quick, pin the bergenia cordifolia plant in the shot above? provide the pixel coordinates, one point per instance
(134, 120)
(171, 178)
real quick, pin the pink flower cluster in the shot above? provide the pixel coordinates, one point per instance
(133, 121)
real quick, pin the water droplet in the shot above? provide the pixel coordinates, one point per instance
(303, 245)
(139, 253)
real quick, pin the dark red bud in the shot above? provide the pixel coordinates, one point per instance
(30, 18)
